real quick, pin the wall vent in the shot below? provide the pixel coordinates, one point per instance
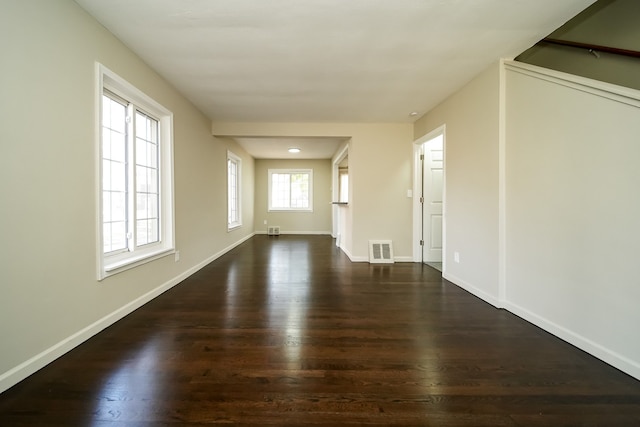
(380, 252)
(273, 230)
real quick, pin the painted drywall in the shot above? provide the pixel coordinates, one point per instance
(572, 209)
(316, 222)
(380, 172)
(380, 168)
(50, 298)
(471, 182)
(570, 202)
(611, 23)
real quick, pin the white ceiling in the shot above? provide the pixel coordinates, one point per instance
(325, 60)
(272, 148)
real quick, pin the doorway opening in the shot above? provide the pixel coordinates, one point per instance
(429, 200)
(340, 196)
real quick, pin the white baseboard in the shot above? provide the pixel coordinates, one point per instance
(354, 258)
(13, 376)
(606, 355)
(319, 233)
(473, 290)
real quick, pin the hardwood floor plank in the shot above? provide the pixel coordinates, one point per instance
(286, 331)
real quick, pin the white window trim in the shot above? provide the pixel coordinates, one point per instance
(108, 265)
(236, 224)
(290, 171)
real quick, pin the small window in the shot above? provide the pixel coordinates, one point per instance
(343, 185)
(135, 176)
(234, 168)
(291, 190)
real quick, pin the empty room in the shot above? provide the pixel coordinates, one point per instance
(319, 212)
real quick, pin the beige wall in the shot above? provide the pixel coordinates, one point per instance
(50, 298)
(471, 181)
(380, 171)
(542, 212)
(572, 210)
(316, 222)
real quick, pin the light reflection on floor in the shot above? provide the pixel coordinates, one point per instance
(133, 388)
(232, 297)
(288, 295)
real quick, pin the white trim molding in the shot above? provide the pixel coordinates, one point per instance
(320, 233)
(614, 359)
(610, 91)
(486, 297)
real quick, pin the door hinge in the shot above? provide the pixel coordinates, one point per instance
(421, 242)
(421, 199)
(421, 156)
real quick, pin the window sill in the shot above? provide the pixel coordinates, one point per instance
(119, 266)
(233, 227)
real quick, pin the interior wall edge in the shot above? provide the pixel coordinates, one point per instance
(622, 94)
(598, 351)
(474, 290)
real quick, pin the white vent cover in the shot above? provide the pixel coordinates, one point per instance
(380, 252)
(273, 230)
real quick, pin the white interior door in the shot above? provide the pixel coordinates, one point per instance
(432, 190)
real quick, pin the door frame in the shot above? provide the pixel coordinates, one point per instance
(336, 227)
(417, 187)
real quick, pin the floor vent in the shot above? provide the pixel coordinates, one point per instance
(273, 230)
(380, 252)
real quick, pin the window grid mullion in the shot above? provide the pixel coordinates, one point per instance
(108, 100)
(131, 177)
(290, 191)
(148, 193)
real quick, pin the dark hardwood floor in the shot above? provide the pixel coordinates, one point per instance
(286, 331)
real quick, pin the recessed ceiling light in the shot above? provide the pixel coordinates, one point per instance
(294, 150)
(413, 113)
